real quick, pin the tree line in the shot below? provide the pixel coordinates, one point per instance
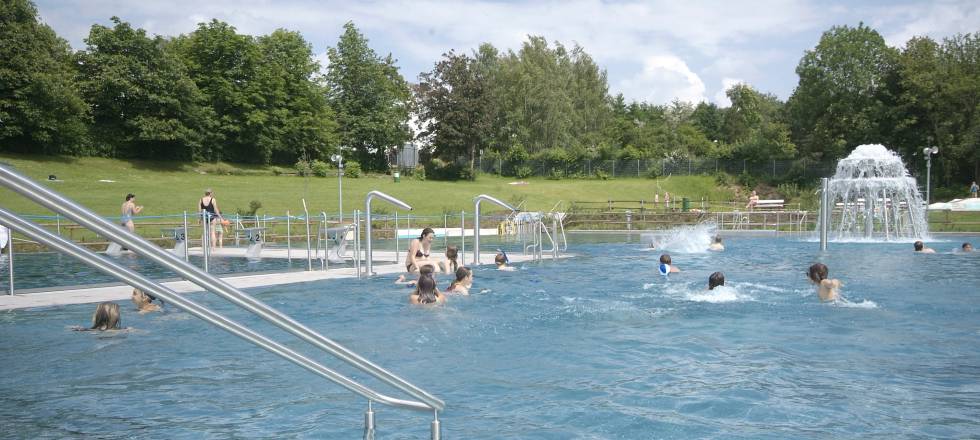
(215, 94)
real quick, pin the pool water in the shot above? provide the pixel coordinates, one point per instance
(593, 347)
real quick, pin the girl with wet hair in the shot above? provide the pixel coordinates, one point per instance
(450, 265)
(144, 302)
(716, 279)
(464, 280)
(106, 317)
(426, 292)
(827, 289)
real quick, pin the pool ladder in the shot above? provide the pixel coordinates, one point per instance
(57, 203)
(534, 232)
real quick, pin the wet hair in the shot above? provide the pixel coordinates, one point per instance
(500, 259)
(717, 239)
(425, 232)
(665, 259)
(461, 275)
(130, 196)
(966, 246)
(426, 270)
(918, 245)
(452, 252)
(818, 272)
(716, 279)
(106, 316)
(426, 290)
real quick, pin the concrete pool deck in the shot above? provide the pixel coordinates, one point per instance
(93, 294)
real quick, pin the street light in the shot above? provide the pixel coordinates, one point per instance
(928, 152)
(340, 183)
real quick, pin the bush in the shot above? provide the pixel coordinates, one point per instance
(319, 168)
(601, 175)
(523, 172)
(437, 169)
(278, 171)
(654, 172)
(556, 174)
(352, 169)
(419, 173)
(302, 168)
(253, 207)
(723, 179)
(747, 180)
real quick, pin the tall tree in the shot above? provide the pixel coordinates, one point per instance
(371, 99)
(754, 127)
(41, 109)
(143, 102)
(841, 100)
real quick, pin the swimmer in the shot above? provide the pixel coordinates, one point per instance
(967, 247)
(450, 264)
(665, 267)
(501, 261)
(828, 289)
(106, 317)
(716, 245)
(921, 248)
(144, 302)
(419, 250)
(461, 285)
(716, 279)
(427, 270)
(426, 292)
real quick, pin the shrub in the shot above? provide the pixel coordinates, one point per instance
(352, 169)
(523, 171)
(319, 168)
(723, 179)
(601, 175)
(556, 174)
(253, 207)
(419, 173)
(653, 172)
(278, 171)
(747, 180)
(302, 168)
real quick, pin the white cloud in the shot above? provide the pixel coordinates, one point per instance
(721, 98)
(933, 20)
(663, 79)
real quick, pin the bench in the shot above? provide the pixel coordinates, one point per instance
(770, 204)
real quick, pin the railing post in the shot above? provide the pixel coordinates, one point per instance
(357, 243)
(369, 423)
(462, 235)
(554, 235)
(10, 260)
(289, 256)
(57, 218)
(436, 429)
(396, 236)
(205, 238)
(476, 222)
(309, 247)
(187, 242)
(367, 225)
(824, 214)
(445, 230)
(325, 263)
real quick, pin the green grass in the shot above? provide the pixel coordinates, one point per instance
(172, 187)
(946, 221)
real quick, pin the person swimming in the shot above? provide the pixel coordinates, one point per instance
(665, 268)
(716, 245)
(716, 279)
(501, 261)
(144, 302)
(461, 285)
(967, 247)
(451, 263)
(919, 246)
(828, 289)
(106, 317)
(427, 270)
(426, 292)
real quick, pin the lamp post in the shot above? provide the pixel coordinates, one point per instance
(340, 184)
(928, 152)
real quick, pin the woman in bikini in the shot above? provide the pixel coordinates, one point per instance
(419, 250)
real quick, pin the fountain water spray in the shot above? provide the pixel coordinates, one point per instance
(872, 197)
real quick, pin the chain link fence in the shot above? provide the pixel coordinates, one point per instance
(775, 169)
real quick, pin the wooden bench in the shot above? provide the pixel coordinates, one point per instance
(769, 204)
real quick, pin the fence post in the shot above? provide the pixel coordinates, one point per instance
(744, 170)
(614, 169)
(689, 162)
(663, 167)
(638, 168)
(774, 168)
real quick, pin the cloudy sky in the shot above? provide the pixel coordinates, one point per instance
(654, 51)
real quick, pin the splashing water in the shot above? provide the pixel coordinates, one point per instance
(873, 198)
(683, 239)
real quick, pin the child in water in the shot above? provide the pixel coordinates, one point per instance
(427, 270)
(716, 245)
(665, 268)
(144, 302)
(716, 279)
(828, 289)
(501, 261)
(106, 317)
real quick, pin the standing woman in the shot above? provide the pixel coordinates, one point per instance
(209, 206)
(129, 209)
(419, 250)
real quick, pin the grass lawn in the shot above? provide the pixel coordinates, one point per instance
(173, 187)
(946, 221)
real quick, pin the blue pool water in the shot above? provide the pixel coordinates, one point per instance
(593, 347)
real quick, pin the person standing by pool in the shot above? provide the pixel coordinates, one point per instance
(973, 189)
(827, 289)
(666, 201)
(210, 211)
(129, 209)
(419, 251)
(920, 247)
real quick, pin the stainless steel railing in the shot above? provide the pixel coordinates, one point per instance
(93, 222)
(367, 223)
(476, 221)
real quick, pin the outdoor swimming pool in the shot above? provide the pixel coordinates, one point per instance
(592, 347)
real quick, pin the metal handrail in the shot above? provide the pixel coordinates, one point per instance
(143, 283)
(476, 221)
(82, 216)
(367, 207)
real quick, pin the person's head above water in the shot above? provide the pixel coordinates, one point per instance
(717, 239)
(106, 316)
(426, 270)
(818, 272)
(665, 259)
(716, 279)
(918, 245)
(452, 254)
(461, 275)
(500, 259)
(967, 247)
(426, 289)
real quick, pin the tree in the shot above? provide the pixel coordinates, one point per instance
(841, 100)
(143, 102)
(41, 109)
(754, 127)
(370, 97)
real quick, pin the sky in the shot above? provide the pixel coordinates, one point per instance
(653, 51)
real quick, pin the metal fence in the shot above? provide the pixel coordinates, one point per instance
(776, 169)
